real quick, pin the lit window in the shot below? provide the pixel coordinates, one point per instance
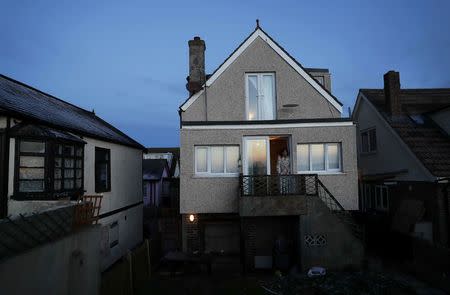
(260, 100)
(322, 157)
(216, 160)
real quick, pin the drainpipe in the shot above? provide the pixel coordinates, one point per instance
(443, 210)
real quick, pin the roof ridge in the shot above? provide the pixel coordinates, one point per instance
(45, 93)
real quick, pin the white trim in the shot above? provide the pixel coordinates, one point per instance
(269, 126)
(361, 96)
(259, 33)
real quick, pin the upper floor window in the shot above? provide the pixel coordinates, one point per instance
(260, 96)
(216, 160)
(369, 140)
(319, 157)
(48, 169)
(102, 170)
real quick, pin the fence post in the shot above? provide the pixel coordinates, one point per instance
(316, 181)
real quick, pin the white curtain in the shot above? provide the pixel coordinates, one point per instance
(267, 101)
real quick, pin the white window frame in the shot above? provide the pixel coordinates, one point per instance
(208, 173)
(260, 75)
(371, 149)
(379, 203)
(327, 170)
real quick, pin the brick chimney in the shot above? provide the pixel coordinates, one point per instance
(196, 65)
(392, 93)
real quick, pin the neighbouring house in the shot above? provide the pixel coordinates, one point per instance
(154, 172)
(171, 154)
(268, 166)
(404, 159)
(52, 152)
(161, 197)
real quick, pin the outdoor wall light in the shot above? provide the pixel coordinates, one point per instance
(191, 218)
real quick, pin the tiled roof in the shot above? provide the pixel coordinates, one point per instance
(153, 168)
(26, 102)
(425, 139)
(175, 151)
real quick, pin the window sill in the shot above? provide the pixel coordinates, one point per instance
(322, 172)
(217, 175)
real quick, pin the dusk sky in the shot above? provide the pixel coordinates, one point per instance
(128, 60)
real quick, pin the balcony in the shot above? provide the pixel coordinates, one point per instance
(276, 195)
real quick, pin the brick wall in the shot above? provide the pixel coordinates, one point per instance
(191, 234)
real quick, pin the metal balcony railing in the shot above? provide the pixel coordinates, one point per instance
(278, 185)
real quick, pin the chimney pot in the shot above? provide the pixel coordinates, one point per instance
(392, 93)
(196, 65)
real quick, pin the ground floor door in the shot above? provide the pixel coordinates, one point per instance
(222, 237)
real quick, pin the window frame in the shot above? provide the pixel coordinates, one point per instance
(99, 189)
(247, 99)
(379, 203)
(49, 155)
(327, 170)
(208, 172)
(371, 148)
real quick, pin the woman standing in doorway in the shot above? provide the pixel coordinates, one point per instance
(283, 168)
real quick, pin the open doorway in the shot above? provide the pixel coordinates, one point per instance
(261, 154)
(278, 145)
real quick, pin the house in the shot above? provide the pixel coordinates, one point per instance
(170, 182)
(258, 111)
(404, 158)
(161, 194)
(154, 171)
(171, 154)
(52, 152)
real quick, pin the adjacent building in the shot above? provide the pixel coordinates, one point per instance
(404, 158)
(268, 165)
(52, 152)
(161, 198)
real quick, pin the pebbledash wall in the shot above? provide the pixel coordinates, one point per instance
(226, 96)
(220, 194)
(123, 204)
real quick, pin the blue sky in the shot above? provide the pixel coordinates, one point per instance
(128, 60)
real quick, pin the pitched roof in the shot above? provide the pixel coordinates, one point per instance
(424, 137)
(25, 102)
(153, 168)
(175, 151)
(259, 32)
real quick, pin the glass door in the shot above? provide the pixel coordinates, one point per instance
(256, 159)
(256, 156)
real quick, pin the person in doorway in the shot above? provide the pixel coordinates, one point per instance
(283, 170)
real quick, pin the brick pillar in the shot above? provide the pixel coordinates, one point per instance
(191, 232)
(249, 234)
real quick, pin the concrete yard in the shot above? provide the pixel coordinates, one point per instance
(268, 283)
